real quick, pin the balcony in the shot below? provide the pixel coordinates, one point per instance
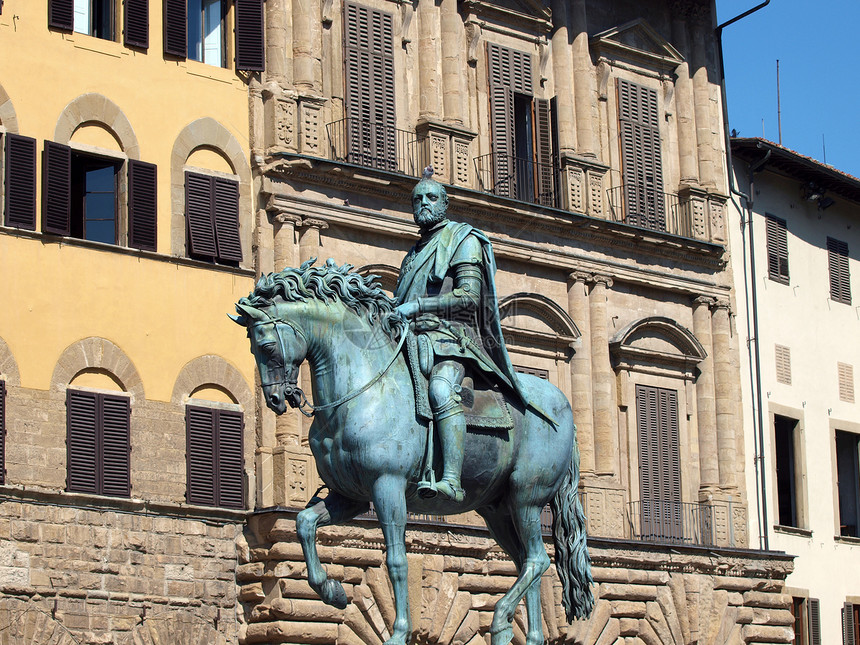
(671, 522)
(375, 145)
(518, 178)
(645, 207)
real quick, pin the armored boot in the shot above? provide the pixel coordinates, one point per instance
(452, 436)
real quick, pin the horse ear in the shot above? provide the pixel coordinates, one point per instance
(248, 314)
(239, 320)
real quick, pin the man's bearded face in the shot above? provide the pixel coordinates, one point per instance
(429, 204)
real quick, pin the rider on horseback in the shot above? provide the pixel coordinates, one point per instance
(447, 289)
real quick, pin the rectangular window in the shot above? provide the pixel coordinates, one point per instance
(368, 51)
(848, 482)
(94, 198)
(837, 263)
(659, 463)
(788, 476)
(798, 613)
(783, 364)
(846, 382)
(206, 31)
(214, 457)
(777, 249)
(212, 216)
(850, 624)
(94, 18)
(98, 450)
(641, 156)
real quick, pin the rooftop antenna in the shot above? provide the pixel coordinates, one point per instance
(823, 148)
(778, 106)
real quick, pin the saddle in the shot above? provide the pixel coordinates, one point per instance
(483, 403)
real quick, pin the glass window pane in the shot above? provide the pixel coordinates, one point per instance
(100, 179)
(82, 16)
(101, 231)
(195, 30)
(212, 44)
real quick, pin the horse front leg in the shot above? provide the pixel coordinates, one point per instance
(334, 509)
(389, 502)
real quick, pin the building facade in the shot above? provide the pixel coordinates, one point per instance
(183, 147)
(799, 239)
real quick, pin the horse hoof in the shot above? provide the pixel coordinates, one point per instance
(333, 594)
(503, 636)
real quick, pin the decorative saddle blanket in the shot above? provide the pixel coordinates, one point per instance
(484, 405)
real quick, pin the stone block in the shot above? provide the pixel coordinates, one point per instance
(767, 634)
(251, 592)
(250, 572)
(628, 609)
(768, 600)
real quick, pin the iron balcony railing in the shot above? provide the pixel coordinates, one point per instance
(645, 207)
(519, 178)
(375, 145)
(668, 521)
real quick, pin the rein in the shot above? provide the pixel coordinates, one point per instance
(290, 386)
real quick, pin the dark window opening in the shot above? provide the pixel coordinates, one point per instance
(95, 18)
(206, 41)
(848, 482)
(212, 219)
(94, 210)
(798, 613)
(786, 475)
(214, 457)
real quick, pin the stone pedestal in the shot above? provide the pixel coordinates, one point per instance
(448, 148)
(582, 186)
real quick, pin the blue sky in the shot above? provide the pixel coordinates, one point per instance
(818, 47)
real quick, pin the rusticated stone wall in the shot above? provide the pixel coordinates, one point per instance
(647, 594)
(78, 569)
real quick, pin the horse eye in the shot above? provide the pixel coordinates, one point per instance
(269, 348)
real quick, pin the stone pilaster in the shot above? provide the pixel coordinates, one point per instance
(453, 90)
(687, 142)
(583, 81)
(279, 41)
(286, 244)
(705, 131)
(725, 373)
(429, 54)
(562, 66)
(580, 370)
(307, 45)
(605, 434)
(706, 412)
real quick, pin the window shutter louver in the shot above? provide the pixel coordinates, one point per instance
(115, 440)
(848, 624)
(61, 14)
(175, 28)
(20, 181)
(846, 382)
(2, 432)
(142, 205)
(501, 123)
(200, 455)
(837, 262)
(783, 364)
(231, 481)
(543, 152)
(199, 191)
(250, 54)
(641, 156)
(136, 28)
(814, 622)
(226, 215)
(57, 188)
(81, 441)
(777, 249)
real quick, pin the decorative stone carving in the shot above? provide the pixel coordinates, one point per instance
(473, 37)
(280, 123)
(575, 177)
(309, 113)
(461, 162)
(716, 208)
(407, 11)
(595, 192)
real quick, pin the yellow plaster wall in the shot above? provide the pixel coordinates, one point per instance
(161, 314)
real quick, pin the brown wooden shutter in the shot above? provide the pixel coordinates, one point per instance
(226, 215)
(777, 249)
(840, 279)
(2, 432)
(81, 441)
(846, 382)
(200, 455)
(848, 628)
(20, 180)
(142, 205)
(198, 214)
(56, 188)
(502, 128)
(115, 437)
(136, 28)
(250, 52)
(229, 451)
(543, 152)
(61, 14)
(175, 18)
(814, 621)
(641, 157)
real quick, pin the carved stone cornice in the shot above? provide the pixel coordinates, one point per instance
(536, 18)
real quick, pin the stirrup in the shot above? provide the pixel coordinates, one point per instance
(450, 491)
(427, 488)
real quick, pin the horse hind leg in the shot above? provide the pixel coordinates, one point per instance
(503, 530)
(334, 509)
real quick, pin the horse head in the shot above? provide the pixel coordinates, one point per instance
(279, 348)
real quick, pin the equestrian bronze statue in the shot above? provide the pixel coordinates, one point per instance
(384, 373)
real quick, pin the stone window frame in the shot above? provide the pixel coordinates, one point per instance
(837, 425)
(207, 133)
(800, 470)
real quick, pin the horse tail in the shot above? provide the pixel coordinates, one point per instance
(571, 551)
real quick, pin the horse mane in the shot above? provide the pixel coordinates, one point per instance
(329, 283)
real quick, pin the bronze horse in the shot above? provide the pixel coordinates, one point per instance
(370, 446)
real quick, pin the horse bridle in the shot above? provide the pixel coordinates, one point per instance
(291, 388)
